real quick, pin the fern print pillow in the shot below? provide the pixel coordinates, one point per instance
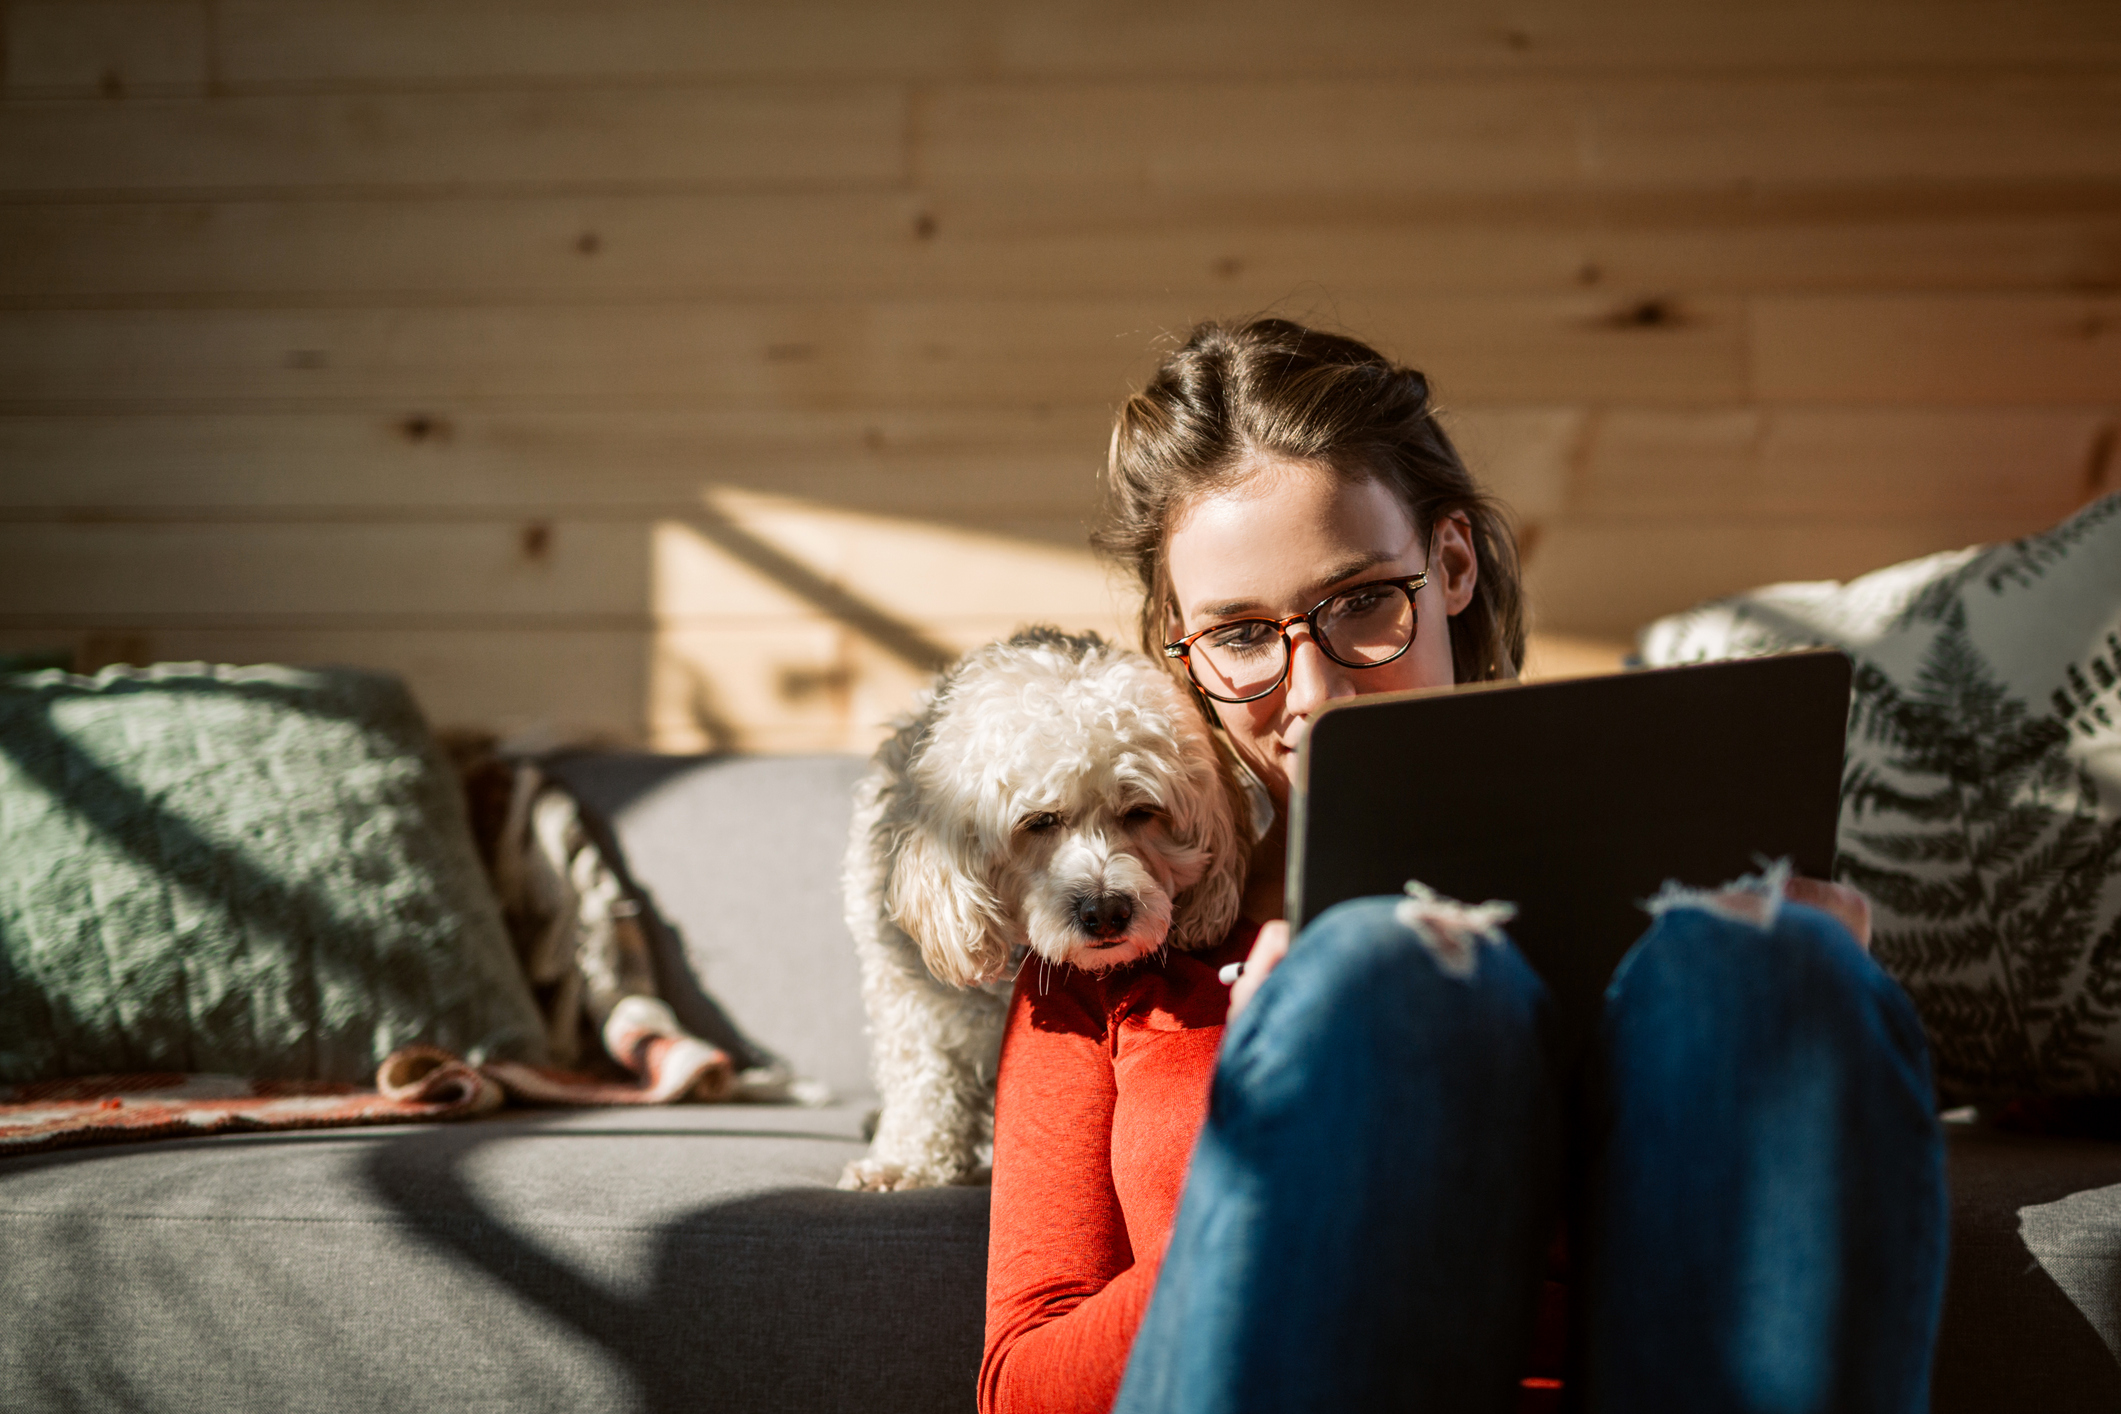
(1981, 798)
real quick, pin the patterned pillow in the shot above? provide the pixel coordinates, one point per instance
(257, 871)
(1981, 801)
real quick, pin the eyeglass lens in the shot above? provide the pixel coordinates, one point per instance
(1361, 627)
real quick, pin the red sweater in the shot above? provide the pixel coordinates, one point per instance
(1103, 1090)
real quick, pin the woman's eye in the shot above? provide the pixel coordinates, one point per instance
(1357, 602)
(1248, 636)
(1043, 821)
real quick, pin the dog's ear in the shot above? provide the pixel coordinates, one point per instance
(1215, 816)
(948, 910)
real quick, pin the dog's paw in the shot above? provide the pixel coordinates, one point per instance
(878, 1176)
(883, 1176)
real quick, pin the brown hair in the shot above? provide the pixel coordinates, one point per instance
(1273, 387)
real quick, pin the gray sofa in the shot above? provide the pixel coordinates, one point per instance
(698, 1257)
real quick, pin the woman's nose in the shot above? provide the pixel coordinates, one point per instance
(1314, 679)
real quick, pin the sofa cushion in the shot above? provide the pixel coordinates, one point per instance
(1981, 806)
(739, 860)
(2077, 1241)
(2030, 1291)
(695, 1257)
(263, 871)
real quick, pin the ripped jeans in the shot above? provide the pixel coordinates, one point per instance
(1748, 1160)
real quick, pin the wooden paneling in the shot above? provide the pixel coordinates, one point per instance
(779, 136)
(391, 42)
(400, 41)
(883, 355)
(1829, 464)
(591, 572)
(109, 48)
(702, 375)
(768, 561)
(1494, 37)
(459, 249)
(2016, 349)
(884, 243)
(1298, 136)
(1609, 579)
(546, 686)
(446, 462)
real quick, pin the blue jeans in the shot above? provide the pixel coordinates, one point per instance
(1749, 1158)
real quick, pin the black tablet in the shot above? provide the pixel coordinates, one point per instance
(1575, 800)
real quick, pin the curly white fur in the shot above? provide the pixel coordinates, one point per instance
(1051, 795)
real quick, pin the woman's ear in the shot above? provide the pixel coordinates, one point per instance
(947, 910)
(1454, 566)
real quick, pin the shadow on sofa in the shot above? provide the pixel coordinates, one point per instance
(798, 1298)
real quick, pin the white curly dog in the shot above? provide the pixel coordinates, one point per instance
(1054, 795)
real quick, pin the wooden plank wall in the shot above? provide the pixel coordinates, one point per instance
(703, 373)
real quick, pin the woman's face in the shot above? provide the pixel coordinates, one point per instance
(1277, 543)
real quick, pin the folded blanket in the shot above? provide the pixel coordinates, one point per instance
(579, 937)
(416, 1084)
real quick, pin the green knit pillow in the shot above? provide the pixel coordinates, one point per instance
(256, 871)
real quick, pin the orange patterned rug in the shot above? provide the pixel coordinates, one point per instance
(416, 1084)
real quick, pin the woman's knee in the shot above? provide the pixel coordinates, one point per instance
(1788, 975)
(1437, 973)
(1362, 1024)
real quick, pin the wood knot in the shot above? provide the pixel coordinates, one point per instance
(1588, 273)
(589, 243)
(924, 226)
(536, 540)
(1647, 314)
(1227, 267)
(422, 427)
(111, 84)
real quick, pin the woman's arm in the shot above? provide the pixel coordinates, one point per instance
(1064, 1294)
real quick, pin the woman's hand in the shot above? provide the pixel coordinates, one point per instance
(1269, 948)
(1850, 907)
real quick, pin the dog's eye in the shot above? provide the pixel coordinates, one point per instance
(1040, 823)
(1142, 815)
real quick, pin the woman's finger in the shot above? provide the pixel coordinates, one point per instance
(1847, 905)
(1268, 949)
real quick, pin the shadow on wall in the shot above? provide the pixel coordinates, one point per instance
(695, 704)
(895, 636)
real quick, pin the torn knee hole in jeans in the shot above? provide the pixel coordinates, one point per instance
(1450, 930)
(1755, 899)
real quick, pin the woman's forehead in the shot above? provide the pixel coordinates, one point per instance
(1289, 531)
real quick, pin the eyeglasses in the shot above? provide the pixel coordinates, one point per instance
(1243, 660)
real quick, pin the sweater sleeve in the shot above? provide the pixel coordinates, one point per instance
(1064, 1293)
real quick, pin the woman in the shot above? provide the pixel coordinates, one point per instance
(1748, 1162)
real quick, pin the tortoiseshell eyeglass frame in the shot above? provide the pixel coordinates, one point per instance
(1410, 584)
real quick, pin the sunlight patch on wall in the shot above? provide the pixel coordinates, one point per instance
(785, 625)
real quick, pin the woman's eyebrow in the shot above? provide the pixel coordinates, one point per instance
(1346, 569)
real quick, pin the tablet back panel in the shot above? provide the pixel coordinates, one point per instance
(1576, 800)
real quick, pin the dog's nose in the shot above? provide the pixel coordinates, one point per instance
(1105, 915)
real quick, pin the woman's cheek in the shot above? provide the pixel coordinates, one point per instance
(1256, 734)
